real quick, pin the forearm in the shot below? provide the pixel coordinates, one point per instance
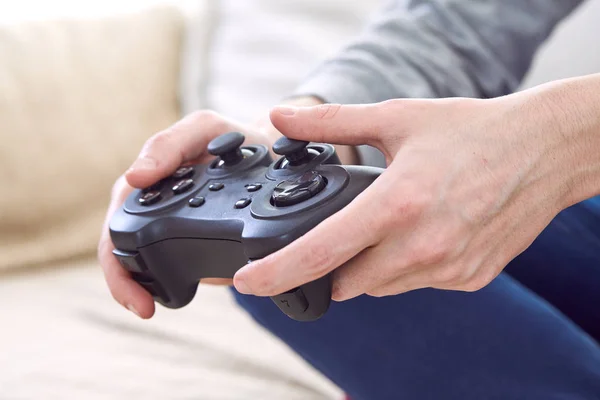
(568, 115)
(439, 48)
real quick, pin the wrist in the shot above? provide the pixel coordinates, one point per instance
(569, 128)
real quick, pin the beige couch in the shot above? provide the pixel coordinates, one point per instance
(77, 100)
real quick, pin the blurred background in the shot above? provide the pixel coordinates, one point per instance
(82, 86)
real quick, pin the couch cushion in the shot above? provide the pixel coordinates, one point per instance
(77, 100)
(63, 337)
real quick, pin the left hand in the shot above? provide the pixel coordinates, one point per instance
(469, 185)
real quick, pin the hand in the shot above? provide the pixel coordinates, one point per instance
(469, 185)
(183, 143)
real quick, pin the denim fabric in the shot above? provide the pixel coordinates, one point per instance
(533, 333)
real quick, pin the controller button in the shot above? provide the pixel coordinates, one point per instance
(156, 187)
(294, 197)
(131, 261)
(214, 187)
(149, 197)
(183, 185)
(196, 201)
(296, 190)
(253, 187)
(242, 203)
(183, 172)
(155, 290)
(291, 302)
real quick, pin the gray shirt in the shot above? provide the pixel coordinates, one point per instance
(438, 48)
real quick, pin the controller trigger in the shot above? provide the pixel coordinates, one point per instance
(291, 302)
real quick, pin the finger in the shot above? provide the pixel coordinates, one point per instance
(183, 142)
(403, 284)
(372, 268)
(445, 277)
(124, 289)
(329, 245)
(363, 272)
(332, 123)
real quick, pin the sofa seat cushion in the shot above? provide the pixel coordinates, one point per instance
(63, 337)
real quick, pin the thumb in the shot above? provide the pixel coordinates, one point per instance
(184, 142)
(330, 123)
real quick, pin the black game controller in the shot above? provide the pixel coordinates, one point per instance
(207, 221)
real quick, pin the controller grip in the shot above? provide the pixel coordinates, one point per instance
(307, 302)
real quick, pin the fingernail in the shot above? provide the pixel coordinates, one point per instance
(144, 163)
(286, 110)
(242, 287)
(131, 308)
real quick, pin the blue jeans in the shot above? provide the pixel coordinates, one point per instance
(533, 333)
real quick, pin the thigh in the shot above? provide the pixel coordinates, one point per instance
(509, 340)
(563, 265)
(502, 342)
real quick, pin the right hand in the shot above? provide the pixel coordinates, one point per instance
(183, 143)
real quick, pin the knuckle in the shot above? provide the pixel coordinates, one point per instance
(439, 253)
(328, 111)
(160, 140)
(378, 292)
(318, 260)
(340, 291)
(204, 115)
(448, 274)
(393, 104)
(435, 253)
(475, 283)
(210, 119)
(400, 211)
(429, 253)
(414, 255)
(478, 277)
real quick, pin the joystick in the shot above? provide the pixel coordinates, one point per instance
(227, 147)
(295, 152)
(207, 221)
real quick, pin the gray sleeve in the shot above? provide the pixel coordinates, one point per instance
(438, 48)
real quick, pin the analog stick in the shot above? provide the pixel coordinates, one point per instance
(294, 151)
(227, 147)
